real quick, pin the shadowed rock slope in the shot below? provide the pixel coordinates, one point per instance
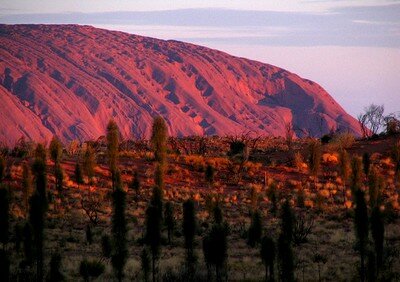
(69, 80)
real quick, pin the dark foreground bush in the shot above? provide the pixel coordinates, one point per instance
(90, 269)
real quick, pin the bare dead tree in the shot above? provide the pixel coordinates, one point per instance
(92, 207)
(302, 228)
(249, 139)
(362, 121)
(173, 143)
(289, 134)
(201, 145)
(127, 145)
(253, 144)
(191, 145)
(372, 120)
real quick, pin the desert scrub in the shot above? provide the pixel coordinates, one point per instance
(330, 158)
(342, 141)
(196, 162)
(252, 168)
(128, 154)
(218, 162)
(298, 161)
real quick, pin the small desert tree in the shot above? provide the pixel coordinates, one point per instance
(145, 264)
(169, 220)
(89, 234)
(89, 162)
(209, 174)
(273, 196)
(119, 230)
(302, 228)
(5, 264)
(158, 140)
(255, 230)
(106, 246)
(39, 172)
(26, 185)
(112, 148)
(356, 175)
(377, 232)
(189, 232)
(159, 176)
(40, 153)
(345, 169)
(366, 160)
(286, 261)
(90, 269)
(239, 152)
(314, 159)
(4, 215)
(2, 167)
(268, 253)
(215, 247)
(287, 221)
(18, 235)
(285, 251)
(289, 134)
(28, 243)
(153, 227)
(318, 259)
(157, 200)
(38, 208)
(135, 185)
(361, 228)
(392, 124)
(371, 267)
(55, 149)
(159, 137)
(153, 235)
(217, 214)
(55, 273)
(37, 220)
(78, 174)
(374, 183)
(396, 159)
(59, 175)
(116, 179)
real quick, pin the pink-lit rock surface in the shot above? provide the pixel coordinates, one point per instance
(69, 80)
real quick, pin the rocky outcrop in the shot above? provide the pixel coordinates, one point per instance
(69, 80)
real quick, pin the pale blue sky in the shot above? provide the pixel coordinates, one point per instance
(351, 48)
(90, 6)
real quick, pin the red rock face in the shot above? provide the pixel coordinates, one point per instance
(69, 80)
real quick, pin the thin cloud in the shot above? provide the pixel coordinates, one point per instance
(375, 22)
(344, 26)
